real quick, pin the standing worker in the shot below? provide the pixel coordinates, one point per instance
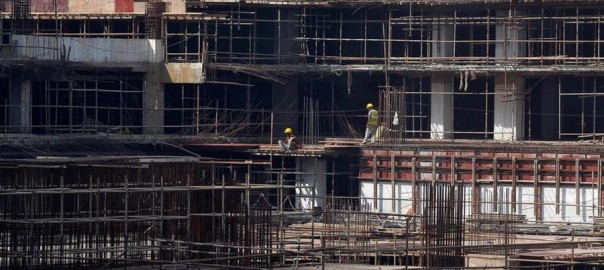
(372, 123)
(291, 143)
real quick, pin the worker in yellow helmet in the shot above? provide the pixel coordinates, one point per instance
(372, 124)
(290, 143)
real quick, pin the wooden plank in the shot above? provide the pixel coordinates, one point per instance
(415, 193)
(475, 190)
(453, 170)
(393, 179)
(557, 184)
(514, 176)
(577, 182)
(495, 186)
(600, 187)
(375, 189)
(536, 190)
(433, 170)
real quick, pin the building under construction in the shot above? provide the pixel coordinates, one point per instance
(142, 134)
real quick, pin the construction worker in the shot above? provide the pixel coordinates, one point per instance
(290, 143)
(372, 124)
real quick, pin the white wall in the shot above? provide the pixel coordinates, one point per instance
(309, 175)
(384, 190)
(525, 198)
(588, 198)
(525, 202)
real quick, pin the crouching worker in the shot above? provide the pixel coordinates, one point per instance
(383, 130)
(290, 143)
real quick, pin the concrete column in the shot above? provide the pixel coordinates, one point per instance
(285, 107)
(20, 104)
(153, 102)
(509, 108)
(549, 109)
(509, 88)
(285, 96)
(510, 42)
(442, 32)
(441, 107)
(311, 174)
(287, 48)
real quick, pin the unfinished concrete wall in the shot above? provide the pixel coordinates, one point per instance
(48, 6)
(92, 7)
(176, 6)
(95, 50)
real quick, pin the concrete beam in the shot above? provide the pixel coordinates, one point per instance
(88, 50)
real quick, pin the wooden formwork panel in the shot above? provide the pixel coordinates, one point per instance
(444, 166)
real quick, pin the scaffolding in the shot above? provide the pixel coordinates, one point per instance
(483, 57)
(413, 199)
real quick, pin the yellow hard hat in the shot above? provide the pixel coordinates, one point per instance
(369, 105)
(288, 131)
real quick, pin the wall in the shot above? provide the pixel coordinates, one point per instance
(312, 172)
(183, 73)
(525, 196)
(48, 6)
(97, 50)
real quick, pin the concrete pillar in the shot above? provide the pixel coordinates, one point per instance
(442, 32)
(153, 102)
(509, 88)
(288, 48)
(20, 104)
(311, 174)
(285, 107)
(441, 107)
(510, 38)
(285, 96)
(549, 109)
(509, 108)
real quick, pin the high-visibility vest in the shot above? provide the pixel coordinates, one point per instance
(373, 117)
